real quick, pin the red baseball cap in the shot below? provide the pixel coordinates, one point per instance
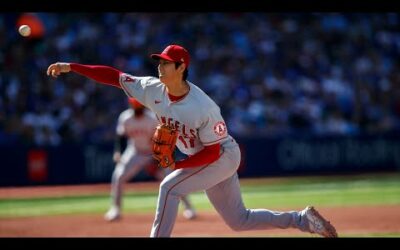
(174, 53)
(134, 103)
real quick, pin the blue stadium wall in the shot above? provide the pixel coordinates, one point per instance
(79, 164)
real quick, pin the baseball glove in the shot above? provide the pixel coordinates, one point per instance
(164, 141)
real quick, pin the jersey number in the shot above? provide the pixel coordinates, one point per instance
(191, 141)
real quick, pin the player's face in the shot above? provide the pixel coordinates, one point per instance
(167, 72)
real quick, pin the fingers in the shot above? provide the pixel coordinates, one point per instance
(55, 73)
(48, 70)
(54, 70)
(51, 70)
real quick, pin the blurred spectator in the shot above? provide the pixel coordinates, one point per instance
(271, 74)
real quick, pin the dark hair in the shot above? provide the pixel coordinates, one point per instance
(185, 73)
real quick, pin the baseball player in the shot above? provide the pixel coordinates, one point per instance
(213, 155)
(137, 124)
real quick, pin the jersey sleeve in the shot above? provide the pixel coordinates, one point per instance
(136, 87)
(213, 129)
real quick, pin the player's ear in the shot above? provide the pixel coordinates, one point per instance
(182, 67)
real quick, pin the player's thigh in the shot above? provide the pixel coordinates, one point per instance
(126, 162)
(136, 164)
(185, 181)
(226, 195)
(127, 156)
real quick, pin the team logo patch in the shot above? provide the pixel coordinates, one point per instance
(220, 128)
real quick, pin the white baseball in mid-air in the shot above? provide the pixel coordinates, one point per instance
(24, 30)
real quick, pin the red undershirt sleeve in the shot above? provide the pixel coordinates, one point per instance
(102, 74)
(207, 155)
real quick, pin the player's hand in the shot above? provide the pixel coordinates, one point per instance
(57, 68)
(117, 157)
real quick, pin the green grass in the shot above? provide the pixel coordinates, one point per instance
(72, 205)
(270, 193)
(369, 235)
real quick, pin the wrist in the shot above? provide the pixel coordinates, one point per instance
(65, 67)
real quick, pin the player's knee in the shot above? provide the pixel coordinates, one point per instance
(165, 186)
(169, 187)
(118, 175)
(236, 223)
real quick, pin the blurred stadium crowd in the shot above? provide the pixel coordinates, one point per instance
(271, 74)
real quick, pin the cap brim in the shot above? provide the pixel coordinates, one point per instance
(161, 56)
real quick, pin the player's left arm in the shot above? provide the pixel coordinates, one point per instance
(206, 156)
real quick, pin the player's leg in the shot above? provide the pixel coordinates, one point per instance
(182, 182)
(188, 210)
(227, 200)
(128, 167)
(121, 167)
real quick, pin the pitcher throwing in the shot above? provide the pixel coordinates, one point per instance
(213, 155)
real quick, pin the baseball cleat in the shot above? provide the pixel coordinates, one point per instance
(189, 214)
(318, 224)
(112, 215)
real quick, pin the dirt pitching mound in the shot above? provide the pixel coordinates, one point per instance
(347, 220)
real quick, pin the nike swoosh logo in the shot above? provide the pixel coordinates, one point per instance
(157, 101)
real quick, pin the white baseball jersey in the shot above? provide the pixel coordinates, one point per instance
(196, 117)
(138, 130)
(199, 122)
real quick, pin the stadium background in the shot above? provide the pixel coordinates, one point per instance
(304, 94)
